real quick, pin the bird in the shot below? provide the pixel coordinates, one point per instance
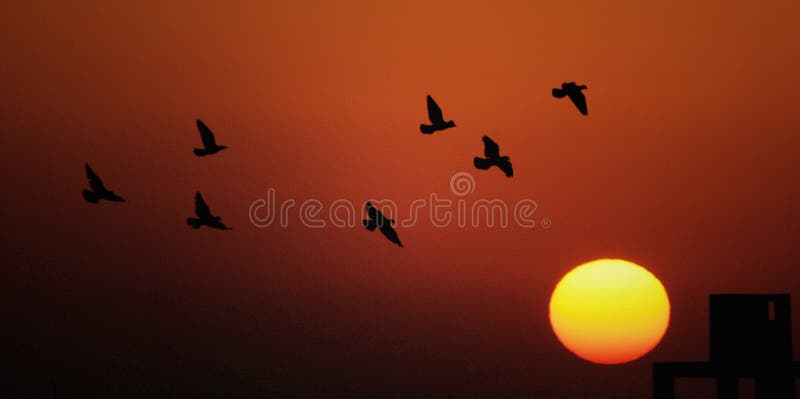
(436, 118)
(492, 152)
(384, 224)
(209, 144)
(574, 92)
(204, 216)
(99, 191)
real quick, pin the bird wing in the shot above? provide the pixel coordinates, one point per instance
(490, 148)
(391, 234)
(219, 225)
(201, 208)
(434, 112)
(506, 168)
(94, 181)
(206, 135)
(580, 101)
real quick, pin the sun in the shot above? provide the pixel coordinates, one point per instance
(609, 311)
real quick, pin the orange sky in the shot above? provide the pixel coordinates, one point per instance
(685, 164)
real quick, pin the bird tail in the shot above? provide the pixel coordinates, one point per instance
(199, 152)
(194, 222)
(558, 93)
(426, 129)
(91, 196)
(369, 224)
(482, 163)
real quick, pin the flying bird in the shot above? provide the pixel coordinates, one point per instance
(574, 92)
(384, 224)
(492, 152)
(436, 118)
(209, 144)
(204, 216)
(99, 191)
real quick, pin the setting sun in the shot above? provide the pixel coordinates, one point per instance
(609, 311)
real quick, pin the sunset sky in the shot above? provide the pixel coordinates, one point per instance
(686, 165)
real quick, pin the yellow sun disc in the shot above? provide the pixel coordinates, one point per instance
(609, 311)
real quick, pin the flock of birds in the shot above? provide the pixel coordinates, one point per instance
(377, 220)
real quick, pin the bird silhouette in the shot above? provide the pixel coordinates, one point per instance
(99, 191)
(204, 216)
(209, 144)
(436, 118)
(384, 224)
(492, 152)
(574, 92)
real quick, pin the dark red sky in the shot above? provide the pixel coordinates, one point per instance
(686, 164)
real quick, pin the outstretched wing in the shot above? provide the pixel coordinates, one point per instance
(391, 234)
(505, 166)
(580, 101)
(94, 182)
(201, 208)
(219, 225)
(434, 112)
(206, 135)
(490, 148)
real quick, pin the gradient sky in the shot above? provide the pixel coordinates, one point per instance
(686, 165)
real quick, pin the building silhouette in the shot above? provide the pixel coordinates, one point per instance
(751, 337)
